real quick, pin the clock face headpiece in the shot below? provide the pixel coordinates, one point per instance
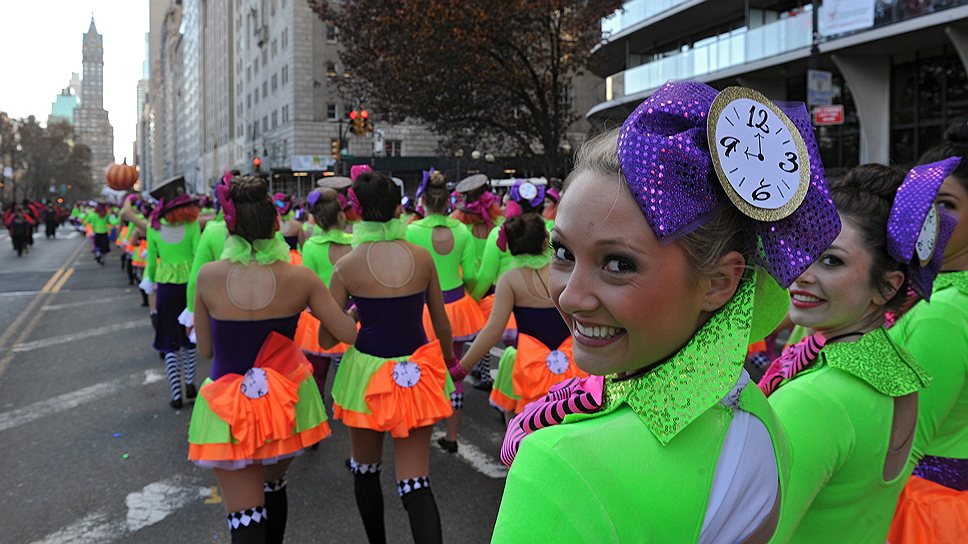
(917, 231)
(689, 149)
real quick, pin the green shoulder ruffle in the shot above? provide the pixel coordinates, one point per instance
(375, 231)
(437, 220)
(958, 280)
(173, 272)
(265, 251)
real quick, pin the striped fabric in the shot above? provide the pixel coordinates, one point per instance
(572, 396)
(793, 360)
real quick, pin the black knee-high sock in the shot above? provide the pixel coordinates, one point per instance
(369, 499)
(248, 526)
(419, 501)
(278, 504)
(174, 376)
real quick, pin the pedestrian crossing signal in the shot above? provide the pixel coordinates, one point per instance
(256, 164)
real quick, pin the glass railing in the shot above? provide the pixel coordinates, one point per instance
(888, 12)
(738, 47)
(634, 12)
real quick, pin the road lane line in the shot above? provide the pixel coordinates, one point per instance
(53, 279)
(477, 459)
(68, 401)
(63, 279)
(81, 303)
(18, 293)
(63, 339)
(148, 506)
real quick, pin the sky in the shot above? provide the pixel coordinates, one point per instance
(41, 44)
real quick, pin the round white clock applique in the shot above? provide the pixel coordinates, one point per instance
(406, 373)
(528, 191)
(758, 154)
(928, 238)
(557, 362)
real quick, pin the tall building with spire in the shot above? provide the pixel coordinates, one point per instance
(91, 124)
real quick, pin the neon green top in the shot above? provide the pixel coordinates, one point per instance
(641, 468)
(169, 262)
(494, 263)
(75, 213)
(936, 333)
(452, 266)
(837, 414)
(98, 224)
(315, 251)
(210, 247)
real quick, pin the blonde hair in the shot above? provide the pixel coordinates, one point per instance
(723, 232)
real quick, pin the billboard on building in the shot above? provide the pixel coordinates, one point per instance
(310, 163)
(840, 16)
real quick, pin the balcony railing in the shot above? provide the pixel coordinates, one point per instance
(741, 46)
(634, 12)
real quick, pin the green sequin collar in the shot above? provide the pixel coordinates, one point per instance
(376, 231)
(334, 235)
(879, 361)
(437, 220)
(536, 262)
(265, 251)
(672, 395)
(958, 280)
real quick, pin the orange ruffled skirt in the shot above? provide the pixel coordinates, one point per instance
(274, 411)
(487, 304)
(537, 368)
(307, 337)
(392, 395)
(930, 513)
(466, 319)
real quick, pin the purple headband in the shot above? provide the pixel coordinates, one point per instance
(313, 198)
(911, 238)
(535, 200)
(664, 154)
(225, 201)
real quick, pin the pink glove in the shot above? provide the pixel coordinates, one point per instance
(457, 372)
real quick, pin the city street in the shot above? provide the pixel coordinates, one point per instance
(92, 453)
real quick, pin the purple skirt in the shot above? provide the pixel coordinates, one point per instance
(170, 335)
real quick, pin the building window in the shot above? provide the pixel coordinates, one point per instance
(330, 33)
(248, 73)
(248, 101)
(285, 114)
(255, 66)
(265, 88)
(285, 38)
(256, 95)
(285, 74)
(331, 111)
(275, 82)
(275, 119)
(330, 68)
(273, 46)
(393, 148)
(265, 123)
(265, 57)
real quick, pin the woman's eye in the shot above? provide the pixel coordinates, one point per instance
(560, 253)
(830, 260)
(619, 265)
(947, 204)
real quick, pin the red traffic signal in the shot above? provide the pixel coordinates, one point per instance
(256, 162)
(364, 114)
(353, 115)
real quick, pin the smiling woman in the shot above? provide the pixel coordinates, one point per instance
(663, 283)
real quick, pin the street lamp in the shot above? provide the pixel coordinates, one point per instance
(475, 154)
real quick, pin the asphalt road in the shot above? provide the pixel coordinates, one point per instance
(91, 453)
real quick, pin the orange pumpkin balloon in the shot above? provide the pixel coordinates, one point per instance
(122, 177)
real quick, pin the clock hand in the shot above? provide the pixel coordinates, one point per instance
(759, 140)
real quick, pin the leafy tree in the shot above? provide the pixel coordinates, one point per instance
(497, 70)
(44, 156)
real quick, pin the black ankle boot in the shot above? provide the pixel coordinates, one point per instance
(190, 391)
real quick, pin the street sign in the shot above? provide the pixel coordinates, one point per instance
(820, 88)
(824, 116)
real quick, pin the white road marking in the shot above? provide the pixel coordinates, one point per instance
(82, 303)
(152, 504)
(18, 293)
(67, 401)
(477, 459)
(64, 339)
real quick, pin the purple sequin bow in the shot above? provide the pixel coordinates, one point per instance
(313, 198)
(914, 200)
(665, 157)
(534, 202)
(423, 182)
(574, 396)
(225, 201)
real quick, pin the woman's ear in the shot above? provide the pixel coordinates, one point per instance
(722, 281)
(895, 279)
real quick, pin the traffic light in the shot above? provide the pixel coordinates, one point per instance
(334, 149)
(256, 163)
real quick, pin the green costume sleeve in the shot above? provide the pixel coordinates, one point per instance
(209, 250)
(546, 499)
(152, 260)
(468, 259)
(490, 265)
(936, 333)
(819, 444)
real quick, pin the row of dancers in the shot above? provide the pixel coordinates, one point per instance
(628, 300)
